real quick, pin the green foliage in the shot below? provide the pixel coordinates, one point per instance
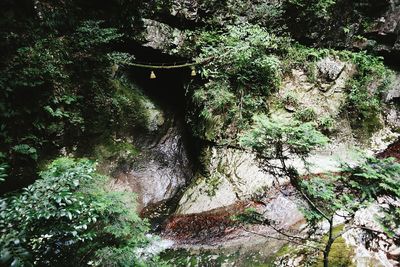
(270, 139)
(90, 35)
(25, 149)
(67, 217)
(290, 100)
(305, 115)
(242, 54)
(241, 72)
(326, 124)
(364, 104)
(55, 76)
(269, 14)
(313, 8)
(377, 178)
(59, 89)
(218, 109)
(356, 188)
(324, 194)
(245, 65)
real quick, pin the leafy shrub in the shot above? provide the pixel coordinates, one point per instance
(363, 104)
(313, 8)
(305, 115)
(59, 90)
(242, 73)
(66, 217)
(25, 149)
(268, 138)
(355, 188)
(290, 100)
(326, 124)
(379, 178)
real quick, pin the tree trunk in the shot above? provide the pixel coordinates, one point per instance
(326, 255)
(329, 243)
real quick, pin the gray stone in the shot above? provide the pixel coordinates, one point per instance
(162, 37)
(233, 175)
(393, 117)
(394, 90)
(290, 108)
(330, 69)
(325, 87)
(377, 254)
(160, 170)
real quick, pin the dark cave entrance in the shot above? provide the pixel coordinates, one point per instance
(168, 88)
(169, 92)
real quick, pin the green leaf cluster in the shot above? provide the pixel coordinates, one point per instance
(58, 88)
(273, 139)
(313, 8)
(363, 104)
(241, 72)
(378, 179)
(306, 115)
(67, 217)
(357, 187)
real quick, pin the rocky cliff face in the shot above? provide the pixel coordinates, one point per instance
(229, 177)
(361, 24)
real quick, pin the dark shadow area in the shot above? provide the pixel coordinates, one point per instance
(167, 89)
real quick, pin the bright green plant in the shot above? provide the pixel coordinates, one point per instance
(272, 139)
(67, 217)
(306, 115)
(364, 105)
(241, 72)
(326, 124)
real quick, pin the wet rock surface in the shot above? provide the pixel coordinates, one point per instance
(216, 232)
(277, 205)
(233, 175)
(392, 151)
(162, 167)
(392, 99)
(386, 30)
